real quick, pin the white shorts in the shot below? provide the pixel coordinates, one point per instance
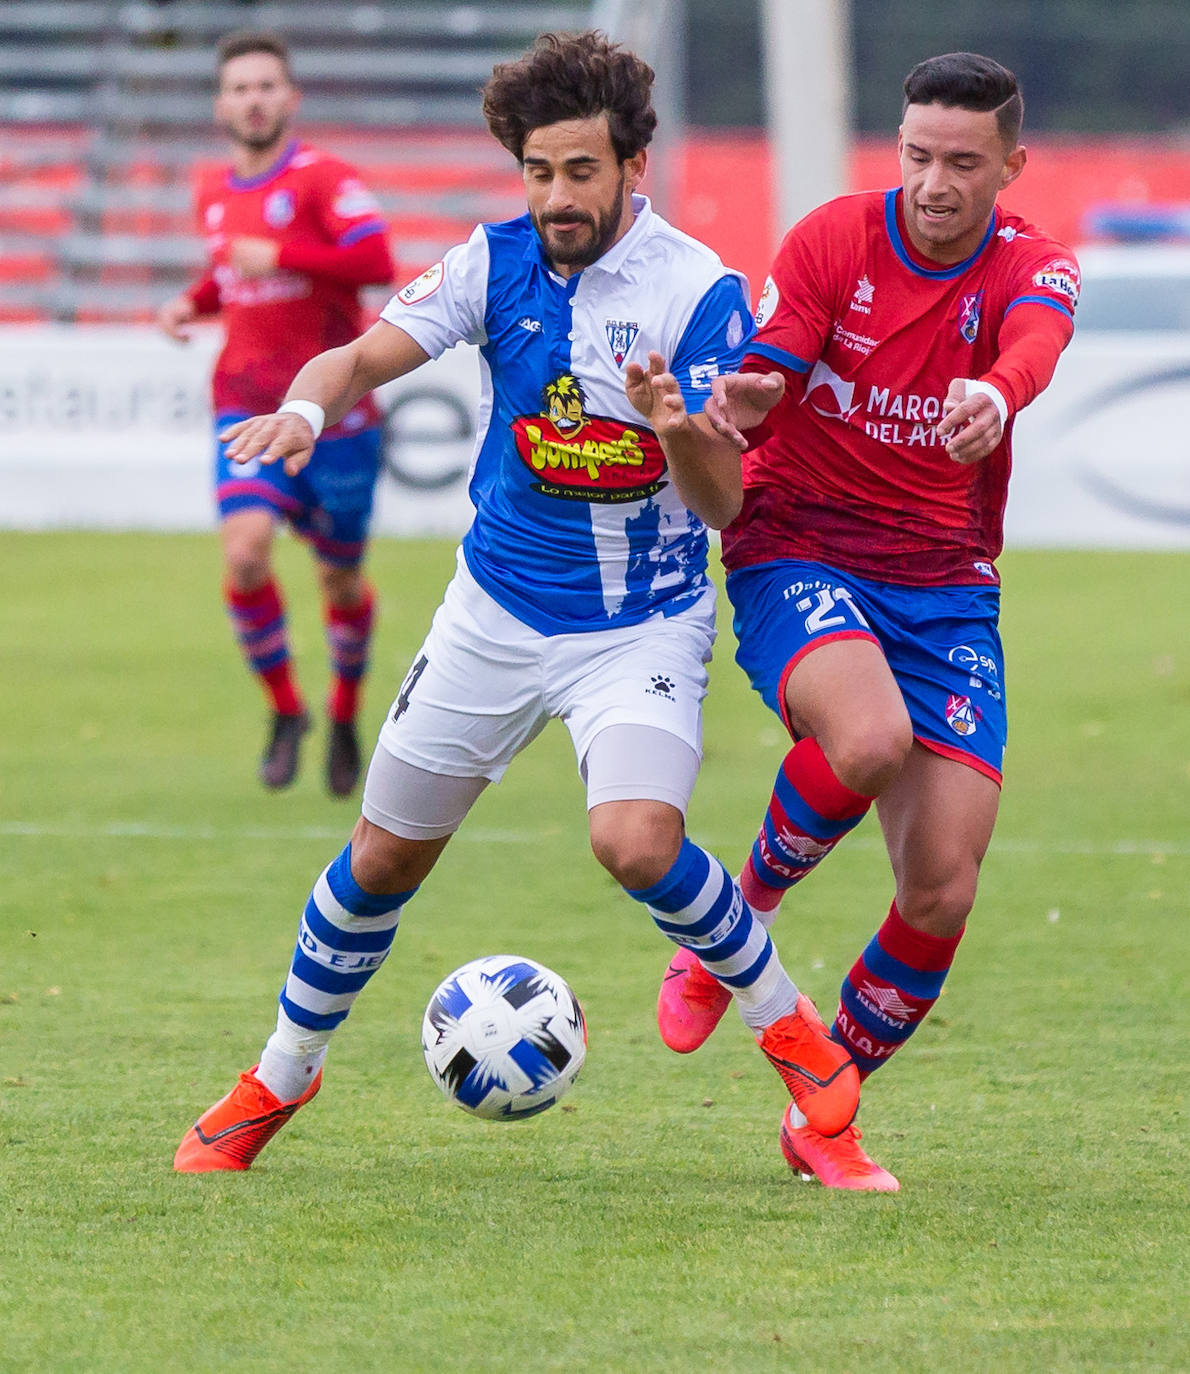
(483, 685)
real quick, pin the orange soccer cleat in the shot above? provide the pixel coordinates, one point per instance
(690, 1004)
(821, 1076)
(233, 1132)
(836, 1161)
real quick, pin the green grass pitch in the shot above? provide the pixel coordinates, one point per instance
(149, 893)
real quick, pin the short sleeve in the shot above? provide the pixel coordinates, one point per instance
(446, 305)
(713, 342)
(793, 315)
(347, 210)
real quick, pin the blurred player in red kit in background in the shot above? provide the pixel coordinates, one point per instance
(906, 329)
(292, 236)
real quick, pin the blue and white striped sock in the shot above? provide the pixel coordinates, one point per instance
(699, 905)
(344, 936)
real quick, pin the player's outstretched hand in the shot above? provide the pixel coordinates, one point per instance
(175, 317)
(970, 425)
(276, 438)
(740, 401)
(657, 395)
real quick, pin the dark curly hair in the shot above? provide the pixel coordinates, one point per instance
(572, 76)
(969, 81)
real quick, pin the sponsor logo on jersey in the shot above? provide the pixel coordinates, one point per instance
(985, 570)
(829, 394)
(702, 373)
(894, 408)
(529, 324)
(582, 457)
(213, 216)
(621, 335)
(735, 330)
(862, 299)
(1008, 233)
(353, 199)
(420, 288)
(969, 309)
(279, 208)
(1062, 276)
(960, 714)
(767, 303)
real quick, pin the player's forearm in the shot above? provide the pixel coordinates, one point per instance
(367, 262)
(706, 472)
(336, 381)
(1031, 340)
(340, 378)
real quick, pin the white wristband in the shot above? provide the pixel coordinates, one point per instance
(993, 394)
(312, 413)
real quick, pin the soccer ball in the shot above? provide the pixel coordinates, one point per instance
(504, 1037)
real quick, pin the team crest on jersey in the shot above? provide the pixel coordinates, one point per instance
(213, 216)
(969, 309)
(961, 716)
(582, 457)
(621, 335)
(279, 209)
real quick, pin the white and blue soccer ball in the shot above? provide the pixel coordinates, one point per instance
(504, 1037)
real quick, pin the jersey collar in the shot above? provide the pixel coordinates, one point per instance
(263, 178)
(901, 249)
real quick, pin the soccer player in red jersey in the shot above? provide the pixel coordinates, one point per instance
(292, 235)
(898, 336)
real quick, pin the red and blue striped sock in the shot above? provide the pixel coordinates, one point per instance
(808, 814)
(258, 618)
(890, 989)
(348, 637)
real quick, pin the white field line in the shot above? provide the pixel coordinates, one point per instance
(152, 830)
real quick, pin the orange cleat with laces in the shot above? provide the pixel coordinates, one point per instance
(835, 1161)
(233, 1132)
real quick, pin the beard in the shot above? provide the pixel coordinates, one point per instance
(261, 137)
(579, 249)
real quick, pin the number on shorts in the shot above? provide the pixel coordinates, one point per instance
(828, 598)
(411, 678)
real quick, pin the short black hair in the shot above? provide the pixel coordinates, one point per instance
(245, 41)
(969, 81)
(572, 76)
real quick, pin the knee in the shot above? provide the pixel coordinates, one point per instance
(340, 586)
(382, 863)
(637, 850)
(247, 566)
(941, 908)
(869, 756)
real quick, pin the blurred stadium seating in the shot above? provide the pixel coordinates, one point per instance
(106, 107)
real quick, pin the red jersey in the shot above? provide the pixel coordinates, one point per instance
(849, 470)
(332, 241)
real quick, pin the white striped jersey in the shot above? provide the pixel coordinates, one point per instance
(577, 525)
